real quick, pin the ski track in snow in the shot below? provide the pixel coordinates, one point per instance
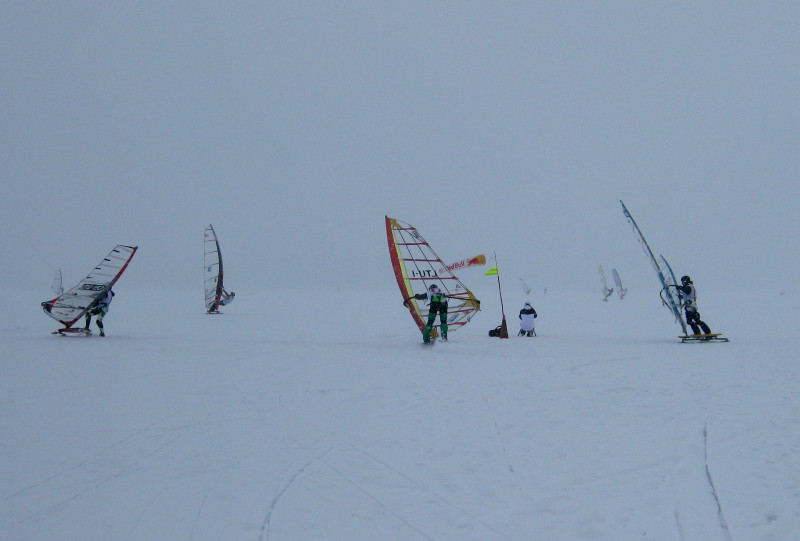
(720, 515)
(265, 526)
(409, 522)
(383, 506)
(88, 460)
(591, 437)
(699, 504)
(438, 496)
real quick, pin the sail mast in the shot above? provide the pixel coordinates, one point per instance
(496, 270)
(672, 303)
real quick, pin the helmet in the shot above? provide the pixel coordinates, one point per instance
(685, 279)
(432, 287)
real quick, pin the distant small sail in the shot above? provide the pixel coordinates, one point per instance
(620, 290)
(606, 291)
(58, 287)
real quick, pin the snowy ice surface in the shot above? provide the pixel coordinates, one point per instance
(316, 415)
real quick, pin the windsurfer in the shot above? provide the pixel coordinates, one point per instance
(437, 304)
(225, 299)
(689, 300)
(100, 310)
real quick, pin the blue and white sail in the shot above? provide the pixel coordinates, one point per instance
(669, 294)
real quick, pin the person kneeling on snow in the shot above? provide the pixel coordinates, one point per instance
(526, 317)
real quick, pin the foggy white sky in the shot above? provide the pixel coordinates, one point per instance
(294, 127)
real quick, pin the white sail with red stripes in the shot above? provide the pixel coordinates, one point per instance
(70, 306)
(416, 267)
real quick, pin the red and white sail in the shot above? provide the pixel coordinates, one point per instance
(465, 263)
(71, 305)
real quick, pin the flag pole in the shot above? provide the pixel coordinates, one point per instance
(503, 326)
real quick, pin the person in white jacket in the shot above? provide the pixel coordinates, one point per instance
(100, 310)
(689, 301)
(526, 323)
(225, 299)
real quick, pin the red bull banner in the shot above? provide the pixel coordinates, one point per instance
(464, 263)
